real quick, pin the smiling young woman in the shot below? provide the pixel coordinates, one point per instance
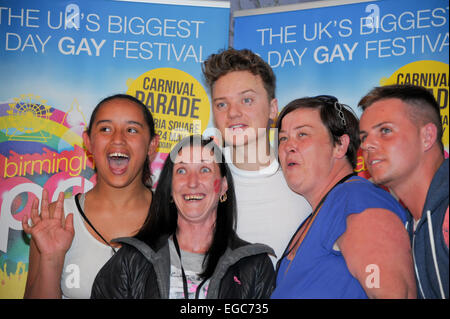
(72, 237)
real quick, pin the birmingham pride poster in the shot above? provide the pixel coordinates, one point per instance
(58, 59)
(345, 48)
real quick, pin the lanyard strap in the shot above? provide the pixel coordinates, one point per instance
(309, 222)
(183, 274)
(342, 180)
(89, 223)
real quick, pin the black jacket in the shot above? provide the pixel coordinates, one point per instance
(137, 271)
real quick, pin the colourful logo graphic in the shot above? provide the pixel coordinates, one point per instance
(25, 116)
(40, 147)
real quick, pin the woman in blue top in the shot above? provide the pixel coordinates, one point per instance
(354, 244)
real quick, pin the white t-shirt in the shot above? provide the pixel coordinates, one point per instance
(84, 259)
(268, 211)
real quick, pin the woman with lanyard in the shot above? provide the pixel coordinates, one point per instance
(188, 247)
(70, 239)
(354, 244)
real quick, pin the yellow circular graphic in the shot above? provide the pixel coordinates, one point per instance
(432, 75)
(25, 113)
(178, 102)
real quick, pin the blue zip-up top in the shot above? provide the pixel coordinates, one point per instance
(430, 252)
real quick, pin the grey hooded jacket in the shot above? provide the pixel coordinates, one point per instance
(137, 271)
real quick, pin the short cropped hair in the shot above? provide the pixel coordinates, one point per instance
(423, 107)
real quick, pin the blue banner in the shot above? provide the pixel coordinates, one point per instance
(346, 50)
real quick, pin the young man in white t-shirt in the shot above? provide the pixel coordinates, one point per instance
(244, 106)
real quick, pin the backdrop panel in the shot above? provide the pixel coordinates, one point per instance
(58, 60)
(345, 50)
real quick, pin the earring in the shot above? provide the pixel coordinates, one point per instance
(223, 197)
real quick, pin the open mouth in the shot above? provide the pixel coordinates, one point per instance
(118, 162)
(291, 164)
(374, 162)
(193, 197)
(238, 127)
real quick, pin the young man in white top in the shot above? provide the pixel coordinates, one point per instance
(242, 87)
